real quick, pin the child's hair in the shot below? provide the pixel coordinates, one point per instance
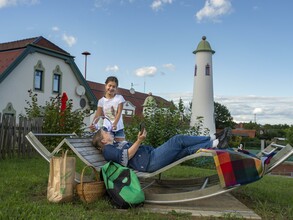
(112, 79)
(97, 140)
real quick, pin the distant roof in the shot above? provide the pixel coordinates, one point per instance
(136, 99)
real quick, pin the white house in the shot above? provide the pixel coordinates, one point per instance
(39, 65)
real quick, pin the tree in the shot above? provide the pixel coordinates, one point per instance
(223, 117)
(181, 107)
(289, 135)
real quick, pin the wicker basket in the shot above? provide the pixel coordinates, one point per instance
(90, 191)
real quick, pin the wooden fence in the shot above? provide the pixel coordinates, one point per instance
(12, 136)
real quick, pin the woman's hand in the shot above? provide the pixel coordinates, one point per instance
(142, 135)
(140, 138)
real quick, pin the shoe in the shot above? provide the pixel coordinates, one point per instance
(226, 132)
(223, 143)
(224, 138)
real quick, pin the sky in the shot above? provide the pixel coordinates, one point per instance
(149, 44)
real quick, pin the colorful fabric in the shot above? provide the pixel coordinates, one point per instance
(235, 168)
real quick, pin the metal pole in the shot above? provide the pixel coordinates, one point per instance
(86, 53)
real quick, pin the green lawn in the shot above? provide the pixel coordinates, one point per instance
(23, 185)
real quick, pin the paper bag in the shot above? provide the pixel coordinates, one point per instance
(61, 178)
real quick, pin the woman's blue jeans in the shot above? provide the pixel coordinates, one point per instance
(176, 148)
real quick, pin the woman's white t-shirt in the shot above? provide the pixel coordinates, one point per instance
(110, 108)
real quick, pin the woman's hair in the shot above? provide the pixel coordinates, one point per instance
(97, 140)
(112, 79)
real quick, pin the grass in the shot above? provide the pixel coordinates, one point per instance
(23, 184)
(270, 198)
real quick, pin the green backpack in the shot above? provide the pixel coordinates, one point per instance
(122, 186)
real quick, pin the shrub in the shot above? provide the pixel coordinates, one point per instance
(55, 120)
(161, 124)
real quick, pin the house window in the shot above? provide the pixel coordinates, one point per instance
(57, 80)
(39, 74)
(38, 80)
(208, 70)
(56, 83)
(127, 112)
(195, 70)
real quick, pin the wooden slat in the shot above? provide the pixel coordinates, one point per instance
(79, 140)
(89, 152)
(82, 146)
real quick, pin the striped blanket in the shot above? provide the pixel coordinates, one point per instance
(235, 168)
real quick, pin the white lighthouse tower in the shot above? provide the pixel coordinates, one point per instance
(203, 94)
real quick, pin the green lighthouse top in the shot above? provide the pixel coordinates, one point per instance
(204, 46)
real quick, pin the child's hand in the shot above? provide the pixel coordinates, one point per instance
(92, 127)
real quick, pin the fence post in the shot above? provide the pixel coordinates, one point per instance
(4, 136)
(10, 135)
(20, 141)
(1, 135)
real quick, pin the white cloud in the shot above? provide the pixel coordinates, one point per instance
(55, 28)
(8, 3)
(257, 110)
(169, 66)
(69, 40)
(158, 4)
(265, 110)
(101, 3)
(146, 71)
(114, 68)
(214, 9)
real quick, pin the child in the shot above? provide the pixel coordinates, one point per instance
(111, 106)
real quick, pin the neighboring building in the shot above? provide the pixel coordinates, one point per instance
(135, 101)
(149, 104)
(240, 131)
(39, 65)
(203, 95)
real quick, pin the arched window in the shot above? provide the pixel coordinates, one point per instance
(208, 70)
(195, 70)
(39, 76)
(57, 79)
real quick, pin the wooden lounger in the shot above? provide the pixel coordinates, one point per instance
(156, 189)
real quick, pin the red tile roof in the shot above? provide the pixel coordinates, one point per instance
(16, 44)
(11, 50)
(7, 58)
(244, 132)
